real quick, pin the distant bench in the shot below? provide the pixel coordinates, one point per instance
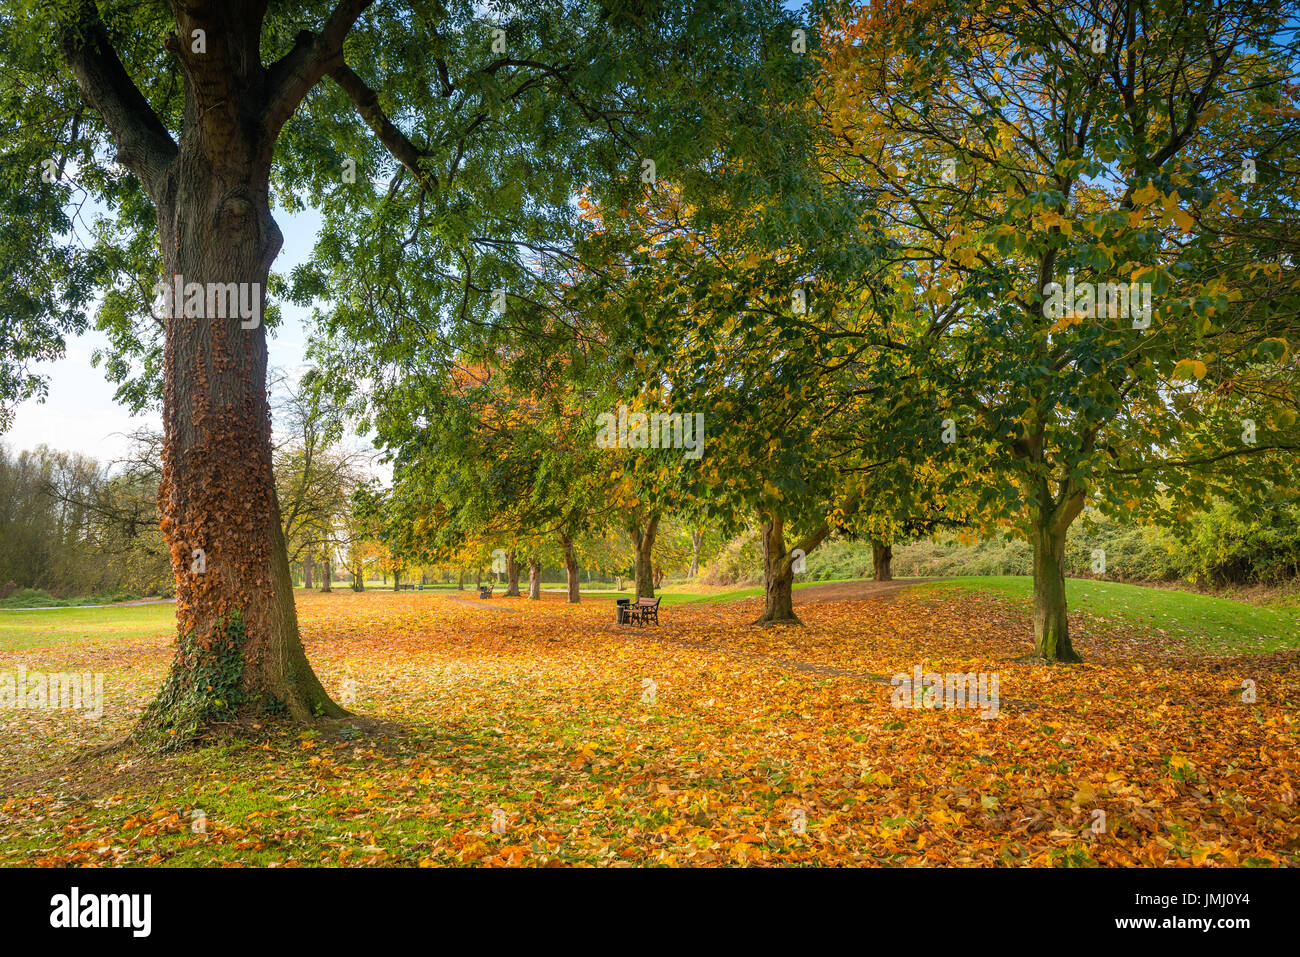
(484, 591)
(641, 612)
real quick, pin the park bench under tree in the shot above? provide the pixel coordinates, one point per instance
(485, 591)
(644, 611)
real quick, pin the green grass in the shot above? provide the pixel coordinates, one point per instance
(1201, 620)
(1204, 621)
(23, 630)
(667, 597)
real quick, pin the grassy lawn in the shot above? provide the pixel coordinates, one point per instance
(60, 627)
(57, 627)
(542, 722)
(1203, 621)
(674, 597)
(39, 598)
(674, 594)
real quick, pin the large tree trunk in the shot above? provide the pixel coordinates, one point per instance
(217, 499)
(534, 579)
(512, 575)
(882, 561)
(571, 570)
(778, 575)
(327, 582)
(460, 582)
(643, 541)
(306, 569)
(697, 539)
(397, 579)
(1051, 614)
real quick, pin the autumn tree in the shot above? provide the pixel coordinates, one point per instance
(187, 117)
(717, 308)
(1068, 198)
(510, 470)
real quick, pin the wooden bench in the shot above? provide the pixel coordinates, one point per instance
(484, 591)
(644, 611)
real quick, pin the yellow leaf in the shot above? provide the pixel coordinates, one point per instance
(1147, 195)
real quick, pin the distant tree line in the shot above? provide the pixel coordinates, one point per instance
(74, 526)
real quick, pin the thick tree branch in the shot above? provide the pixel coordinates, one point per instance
(313, 56)
(818, 535)
(143, 144)
(394, 140)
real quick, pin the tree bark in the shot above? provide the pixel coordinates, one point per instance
(778, 575)
(882, 561)
(306, 569)
(237, 629)
(460, 582)
(512, 575)
(697, 539)
(571, 570)
(1051, 612)
(218, 491)
(327, 582)
(643, 541)
(397, 579)
(534, 579)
